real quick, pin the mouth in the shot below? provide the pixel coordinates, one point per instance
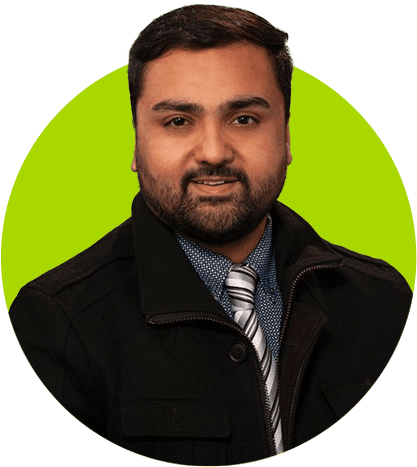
(213, 186)
(213, 182)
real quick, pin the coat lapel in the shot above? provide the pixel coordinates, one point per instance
(167, 280)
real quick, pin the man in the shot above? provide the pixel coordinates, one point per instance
(215, 326)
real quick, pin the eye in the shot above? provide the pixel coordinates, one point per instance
(244, 120)
(177, 121)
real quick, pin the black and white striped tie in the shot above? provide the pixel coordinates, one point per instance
(241, 283)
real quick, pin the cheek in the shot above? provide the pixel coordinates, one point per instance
(269, 143)
(163, 160)
(267, 158)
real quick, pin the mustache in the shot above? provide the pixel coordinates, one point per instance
(214, 171)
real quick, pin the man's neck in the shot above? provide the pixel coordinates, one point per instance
(239, 250)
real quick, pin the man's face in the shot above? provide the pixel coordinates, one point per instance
(212, 144)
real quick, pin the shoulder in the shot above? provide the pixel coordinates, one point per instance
(299, 237)
(371, 270)
(90, 275)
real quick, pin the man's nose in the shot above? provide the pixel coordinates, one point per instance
(213, 147)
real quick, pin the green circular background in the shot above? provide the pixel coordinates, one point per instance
(76, 185)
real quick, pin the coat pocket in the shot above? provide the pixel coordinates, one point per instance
(186, 431)
(189, 418)
(342, 394)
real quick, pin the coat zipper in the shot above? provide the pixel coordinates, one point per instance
(286, 319)
(271, 440)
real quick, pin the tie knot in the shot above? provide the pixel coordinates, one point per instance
(241, 283)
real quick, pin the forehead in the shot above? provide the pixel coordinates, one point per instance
(211, 76)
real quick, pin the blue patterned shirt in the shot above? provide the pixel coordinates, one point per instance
(213, 268)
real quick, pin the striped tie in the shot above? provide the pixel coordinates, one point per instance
(241, 283)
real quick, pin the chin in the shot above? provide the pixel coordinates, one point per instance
(221, 227)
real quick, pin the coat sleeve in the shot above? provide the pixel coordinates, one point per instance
(53, 347)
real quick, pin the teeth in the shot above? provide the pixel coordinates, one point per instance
(220, 182)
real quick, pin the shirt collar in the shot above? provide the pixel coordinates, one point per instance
(262, 259)
(213, 267)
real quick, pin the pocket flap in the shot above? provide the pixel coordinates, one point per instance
(343, 394)
(193, 418)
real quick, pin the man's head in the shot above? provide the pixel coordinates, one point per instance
(200, 27)
(212, 138)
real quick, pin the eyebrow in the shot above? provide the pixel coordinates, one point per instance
(245, 102)
(178, 106)
(191, 107)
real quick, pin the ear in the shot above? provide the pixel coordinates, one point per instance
(133, 166)
(287, 144)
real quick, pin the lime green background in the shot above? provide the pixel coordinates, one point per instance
(362, 50)
(76, 185)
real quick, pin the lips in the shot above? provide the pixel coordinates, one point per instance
(207, 182)
(212, 182)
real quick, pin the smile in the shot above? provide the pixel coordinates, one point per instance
(206, 182)
(214, 186)
(213, 181)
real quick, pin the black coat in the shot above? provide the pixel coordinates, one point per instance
(127, 337)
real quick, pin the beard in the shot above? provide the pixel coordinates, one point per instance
(214, 220)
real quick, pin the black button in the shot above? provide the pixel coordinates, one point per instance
(238, 352)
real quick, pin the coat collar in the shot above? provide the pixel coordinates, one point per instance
(297, 247)
(170, 285)
(167, 280)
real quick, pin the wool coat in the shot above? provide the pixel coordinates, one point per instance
(128, 338)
